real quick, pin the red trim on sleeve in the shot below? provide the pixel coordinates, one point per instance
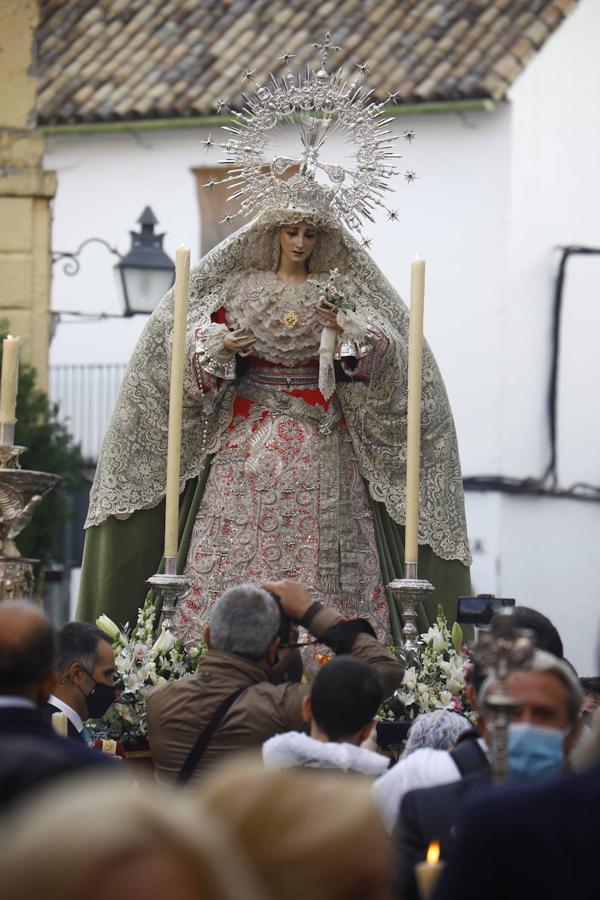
(219, 316)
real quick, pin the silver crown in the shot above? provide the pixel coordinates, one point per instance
(319, 105)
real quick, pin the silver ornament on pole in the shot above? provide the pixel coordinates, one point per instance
(501, 650)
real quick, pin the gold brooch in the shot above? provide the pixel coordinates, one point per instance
(290, 319)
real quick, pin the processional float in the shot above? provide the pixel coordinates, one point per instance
(313, 104)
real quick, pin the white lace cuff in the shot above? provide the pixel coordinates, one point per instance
(211, 355)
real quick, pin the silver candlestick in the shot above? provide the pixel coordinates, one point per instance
(21, 492)
(409, 592)
(168, 587)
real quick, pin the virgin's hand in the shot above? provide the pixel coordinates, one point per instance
(327, 315)
(238, 341)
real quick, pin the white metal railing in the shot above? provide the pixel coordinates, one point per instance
(86, 397)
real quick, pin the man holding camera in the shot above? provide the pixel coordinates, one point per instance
(232, 702)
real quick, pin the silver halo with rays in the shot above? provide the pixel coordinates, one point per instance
(319, 104)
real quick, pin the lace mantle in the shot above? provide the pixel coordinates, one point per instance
(132, 465)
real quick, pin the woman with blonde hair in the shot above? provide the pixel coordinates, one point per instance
(309, 834)
(97, 838)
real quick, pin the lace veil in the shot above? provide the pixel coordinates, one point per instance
(132, 465)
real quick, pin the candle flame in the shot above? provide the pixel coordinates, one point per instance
(433, 853)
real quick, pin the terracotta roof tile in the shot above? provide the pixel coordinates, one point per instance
(110, 60)
(537, 32)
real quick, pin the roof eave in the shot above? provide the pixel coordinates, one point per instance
(214, 121)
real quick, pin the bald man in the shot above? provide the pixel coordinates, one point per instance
(30, 752)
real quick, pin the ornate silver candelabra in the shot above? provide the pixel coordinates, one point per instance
(21, 492)
(168, 586)
(409, 592)
(502, 650)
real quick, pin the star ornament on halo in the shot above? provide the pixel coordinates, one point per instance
(226, 220)
(367, 243)
(392, 215)
(211, 183)
(248, 74)
(221, 104)
(208, 143)
(410, 175)
(409, 135)
(363, 68)
(286, 58)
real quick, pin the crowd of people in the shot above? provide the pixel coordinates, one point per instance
(276, 786)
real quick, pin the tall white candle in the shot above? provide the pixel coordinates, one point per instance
(415, 355)
(10, 379)
(182, 281)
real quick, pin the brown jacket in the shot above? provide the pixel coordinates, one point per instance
(178, 712)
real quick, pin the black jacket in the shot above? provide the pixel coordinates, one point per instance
(430, 814)
(528, 843)
(31, 754)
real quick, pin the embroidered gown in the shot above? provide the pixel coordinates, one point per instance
(284, 496)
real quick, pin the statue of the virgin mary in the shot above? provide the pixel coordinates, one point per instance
(295, 399)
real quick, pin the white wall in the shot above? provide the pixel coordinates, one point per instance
(548, 547)
(104, 182)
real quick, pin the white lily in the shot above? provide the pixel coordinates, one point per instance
(165, 642)
(410, 678)
(435, 637)
(109, 628)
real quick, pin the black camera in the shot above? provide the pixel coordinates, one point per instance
(285, 623)
(480, 610)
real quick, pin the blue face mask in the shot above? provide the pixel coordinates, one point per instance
(534, 751)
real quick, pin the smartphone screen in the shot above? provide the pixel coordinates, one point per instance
(480, 610)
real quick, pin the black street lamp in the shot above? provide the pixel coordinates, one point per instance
(144, 274)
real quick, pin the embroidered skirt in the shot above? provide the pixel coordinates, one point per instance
(284, 499)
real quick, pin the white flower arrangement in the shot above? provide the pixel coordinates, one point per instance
(141, 663)
(437, 680)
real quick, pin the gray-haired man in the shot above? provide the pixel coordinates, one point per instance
(243, 639)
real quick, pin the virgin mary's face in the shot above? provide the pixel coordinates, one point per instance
(297, 241)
